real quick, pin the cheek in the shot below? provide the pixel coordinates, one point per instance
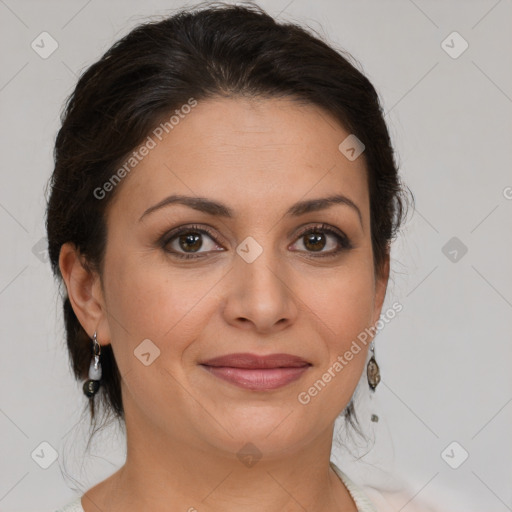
(345, 310)
(344, 303)
(344, 306)
(150, 301)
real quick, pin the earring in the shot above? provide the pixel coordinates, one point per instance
(92, 385)
(372, 369)
(373, 374)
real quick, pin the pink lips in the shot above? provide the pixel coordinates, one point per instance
(255, 372)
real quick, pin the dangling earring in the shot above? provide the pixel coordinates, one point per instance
(92, 385)
(373, 374)
(373, 370)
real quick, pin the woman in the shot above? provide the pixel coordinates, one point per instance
(221, 212)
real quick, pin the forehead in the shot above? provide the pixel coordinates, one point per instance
(246, 152)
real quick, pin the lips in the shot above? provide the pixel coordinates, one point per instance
(256, 361)
(255, 372)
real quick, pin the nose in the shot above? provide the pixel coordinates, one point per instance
(260, 295)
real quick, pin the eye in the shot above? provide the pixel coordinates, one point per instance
(316, 239)
(187, 241)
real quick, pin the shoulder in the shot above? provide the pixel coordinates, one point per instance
(371, 499)
(73, 506)
(360, 498)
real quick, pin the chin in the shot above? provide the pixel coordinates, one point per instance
(271, 430)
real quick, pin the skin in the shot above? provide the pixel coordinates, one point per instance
(185, 426)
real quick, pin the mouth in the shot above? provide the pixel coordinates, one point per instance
(258, 373)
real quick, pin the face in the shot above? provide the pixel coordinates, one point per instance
(259, 275)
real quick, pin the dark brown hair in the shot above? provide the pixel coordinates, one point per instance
(202, 52)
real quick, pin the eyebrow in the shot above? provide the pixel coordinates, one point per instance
(218, 209)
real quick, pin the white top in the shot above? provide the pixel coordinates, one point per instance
(361, 500)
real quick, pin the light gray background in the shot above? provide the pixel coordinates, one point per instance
(445, 359)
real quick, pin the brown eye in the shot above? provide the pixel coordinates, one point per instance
(318, 238)
(190, 242)
(314, 241)
(187, 241)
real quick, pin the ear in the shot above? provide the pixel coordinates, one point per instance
(84, 292)
(381, 284)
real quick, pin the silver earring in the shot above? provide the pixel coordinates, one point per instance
(92, 385)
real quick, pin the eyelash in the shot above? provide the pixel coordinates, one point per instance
(341, 238)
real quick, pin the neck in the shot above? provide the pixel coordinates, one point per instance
(175, 469)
